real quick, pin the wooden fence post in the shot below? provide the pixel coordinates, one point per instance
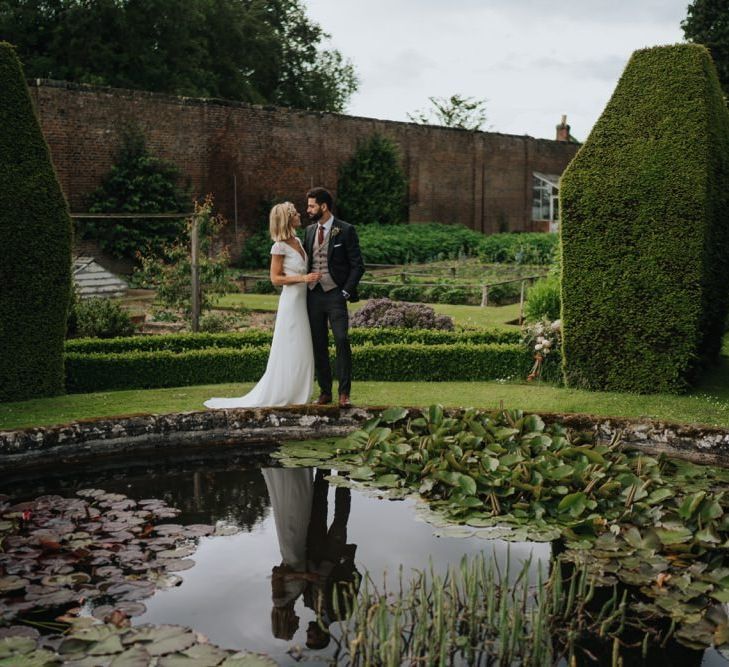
(195, 296)
(521, 303)
(484, 295)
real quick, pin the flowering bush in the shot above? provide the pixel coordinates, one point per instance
(399, 314)
(544, 340)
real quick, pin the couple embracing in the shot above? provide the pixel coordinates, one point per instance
(318, 278)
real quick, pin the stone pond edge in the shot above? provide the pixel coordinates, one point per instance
(83, 440)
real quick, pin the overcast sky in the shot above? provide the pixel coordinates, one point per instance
(533, 60)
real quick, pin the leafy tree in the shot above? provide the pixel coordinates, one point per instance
(35, 248)
(372, 186)
(259, 51)
(465, 113)
(170, 273)
(137, 183)
(707, 23)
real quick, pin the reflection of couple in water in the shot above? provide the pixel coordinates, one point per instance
(316, 561)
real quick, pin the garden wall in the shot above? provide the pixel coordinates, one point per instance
(480, 179)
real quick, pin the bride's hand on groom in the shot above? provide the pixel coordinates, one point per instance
(312, 277)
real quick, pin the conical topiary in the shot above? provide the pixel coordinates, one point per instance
(645, 232)
(35, 247)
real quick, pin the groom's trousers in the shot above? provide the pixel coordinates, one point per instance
(325, 309)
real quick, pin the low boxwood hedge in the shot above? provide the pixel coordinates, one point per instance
(391, 362)
(256, 338)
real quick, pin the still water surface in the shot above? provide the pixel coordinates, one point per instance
(290, 519)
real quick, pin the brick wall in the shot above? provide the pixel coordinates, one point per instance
(480, 179)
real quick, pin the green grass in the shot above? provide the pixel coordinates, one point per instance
(709, 404)
(473, 316)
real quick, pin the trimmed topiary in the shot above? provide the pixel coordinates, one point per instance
(644, 231)
(35, 240)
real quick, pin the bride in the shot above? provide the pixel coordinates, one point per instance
(289, 375)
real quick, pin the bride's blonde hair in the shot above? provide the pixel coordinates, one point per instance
(280, 221)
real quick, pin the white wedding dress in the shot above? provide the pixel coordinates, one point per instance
(289, 376)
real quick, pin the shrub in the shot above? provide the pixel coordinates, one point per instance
(505, 293)
(645, 242)
(543, 300)
(372, 186)
(387, 244)
(387, 313)
(368, 291)
(263, 287)
(185, 342)
(518, 248)
(421, 242)
(35, 237)
(395, 362)
(217, 323)
(99, 318)
(406, 293)
(137, 183)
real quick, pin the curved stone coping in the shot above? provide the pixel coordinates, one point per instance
(87, 439)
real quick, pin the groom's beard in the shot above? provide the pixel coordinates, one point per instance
(315, 217)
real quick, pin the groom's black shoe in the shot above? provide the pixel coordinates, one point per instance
(324, 399)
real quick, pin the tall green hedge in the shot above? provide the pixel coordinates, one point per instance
(644, 229)
(35, 247)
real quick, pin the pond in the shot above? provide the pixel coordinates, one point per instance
(227, 594)
(270, 518)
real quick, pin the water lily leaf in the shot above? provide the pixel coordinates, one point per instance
(387, 480)
(162, 639)
(12, 583)
(691, 504)
(392, 415)
(502, 434)
(179, 552)
(467, 484)
(659, 495)
(455, 531)
(175, 565)
(720, 595)
(136, 656)
(573, 503)
(673, 535)
(299, 463)
(39, 658)
(198, 655)
(13, 646)
(532, 423)
(363, 472)
(108, 646)
(435, 414)
(244, 659)
(226, 529)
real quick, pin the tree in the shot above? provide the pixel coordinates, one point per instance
(707, 23)
(137, 183)
(372, 186)
(170, 272)
(35, 248)
(465, 113)
(259, 51)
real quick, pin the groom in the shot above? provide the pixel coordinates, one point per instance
(332, 246)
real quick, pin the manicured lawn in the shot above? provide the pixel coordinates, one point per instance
(707, 405)
(473, 316)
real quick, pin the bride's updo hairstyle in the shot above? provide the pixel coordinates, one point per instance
(280, 221)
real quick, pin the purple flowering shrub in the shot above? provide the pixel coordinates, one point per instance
(385, 313)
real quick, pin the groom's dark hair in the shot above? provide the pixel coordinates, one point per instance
(322, 196)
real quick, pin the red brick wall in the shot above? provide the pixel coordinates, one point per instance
(480, 179)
